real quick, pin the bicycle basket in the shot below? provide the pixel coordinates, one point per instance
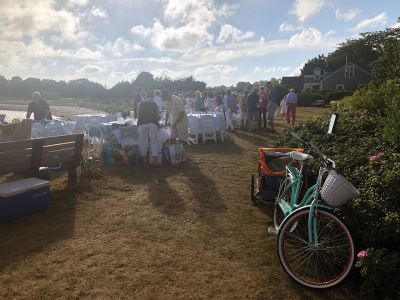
(337, 190)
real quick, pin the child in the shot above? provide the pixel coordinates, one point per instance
(283, 108)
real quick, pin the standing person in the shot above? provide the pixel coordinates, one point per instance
(220, 104)
(148, 117)
(243, 109)
(252, 109)
(291, 104)
(158, 100)
(283, 107)
(179, 120)
(38, 107)
(198, 102)
(230, 109)
(208, 106)
(272, 104)
(137, 98)
(262, 106)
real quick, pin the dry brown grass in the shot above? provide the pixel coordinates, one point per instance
(174, 233)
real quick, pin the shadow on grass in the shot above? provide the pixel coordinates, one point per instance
(26, 236)
(259, 138)
(166, 198)
(228, 147)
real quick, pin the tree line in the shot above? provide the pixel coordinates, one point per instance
(84, 88)
(377, 52)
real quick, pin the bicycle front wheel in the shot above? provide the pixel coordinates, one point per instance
(321, 265)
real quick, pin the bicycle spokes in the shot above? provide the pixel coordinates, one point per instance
(319, 264)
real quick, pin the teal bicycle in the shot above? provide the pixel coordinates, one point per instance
(314, 246)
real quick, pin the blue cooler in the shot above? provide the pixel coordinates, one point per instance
(23, 197)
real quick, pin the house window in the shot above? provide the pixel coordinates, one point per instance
(349, 72)
(340, 86)
(317, 74)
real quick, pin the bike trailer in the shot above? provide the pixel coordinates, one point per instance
(271, 169)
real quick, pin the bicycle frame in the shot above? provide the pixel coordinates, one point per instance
(310, 198)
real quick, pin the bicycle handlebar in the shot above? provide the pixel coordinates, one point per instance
(327, 160)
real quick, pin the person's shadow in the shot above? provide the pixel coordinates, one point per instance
(171, 189)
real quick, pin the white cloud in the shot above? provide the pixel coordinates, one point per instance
(165, 72)
(31, 18)
(274, 69)
(304, 9)
(99, 12)
(215, 69)
(233, 34)
(175, 38)
(189, 24)
(77, 2)
(309, 36)
(218, 74)
(90, 70)
(289, 27)
(379, 20)
(347, 15)
(87, 54)
(121, 47)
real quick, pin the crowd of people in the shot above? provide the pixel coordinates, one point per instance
(257, 107)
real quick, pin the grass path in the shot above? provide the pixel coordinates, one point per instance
(174, 233)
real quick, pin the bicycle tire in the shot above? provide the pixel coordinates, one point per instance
(278, 213)
(316, 267)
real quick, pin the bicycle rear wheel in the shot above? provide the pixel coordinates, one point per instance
(316, 266)
(284, 194)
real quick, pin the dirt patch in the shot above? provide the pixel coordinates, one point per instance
(187, 231)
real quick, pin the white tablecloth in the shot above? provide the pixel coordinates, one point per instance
(83, 120)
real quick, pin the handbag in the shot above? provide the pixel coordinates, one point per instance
(173, 154)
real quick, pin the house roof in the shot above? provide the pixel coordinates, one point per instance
(348, 64)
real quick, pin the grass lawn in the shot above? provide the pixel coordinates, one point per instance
(188, 231)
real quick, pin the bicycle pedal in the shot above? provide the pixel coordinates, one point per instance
(272, 230)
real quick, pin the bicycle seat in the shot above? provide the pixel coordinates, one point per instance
(276, 154)
(298, 156)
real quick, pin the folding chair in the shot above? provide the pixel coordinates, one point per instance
(221, 128)
(208, 128)
(193, 130)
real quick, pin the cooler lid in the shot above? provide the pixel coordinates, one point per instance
(20, 186)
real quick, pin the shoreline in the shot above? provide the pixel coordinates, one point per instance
(60, 111)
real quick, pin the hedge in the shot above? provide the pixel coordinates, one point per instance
(366, 147)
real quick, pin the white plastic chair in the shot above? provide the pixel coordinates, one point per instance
(221, 126)
(193, 130)
(208, 128)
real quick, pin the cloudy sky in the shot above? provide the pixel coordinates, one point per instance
(217, 41)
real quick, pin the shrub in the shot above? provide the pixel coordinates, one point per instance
(337, 95)
(306, 99)
(374, 217)
(382, 99)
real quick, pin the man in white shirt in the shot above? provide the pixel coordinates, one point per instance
(176, 109)
(291, 104)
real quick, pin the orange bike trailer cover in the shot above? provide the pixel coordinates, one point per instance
(262, 160)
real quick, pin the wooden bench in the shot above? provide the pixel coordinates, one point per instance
(28, 156)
